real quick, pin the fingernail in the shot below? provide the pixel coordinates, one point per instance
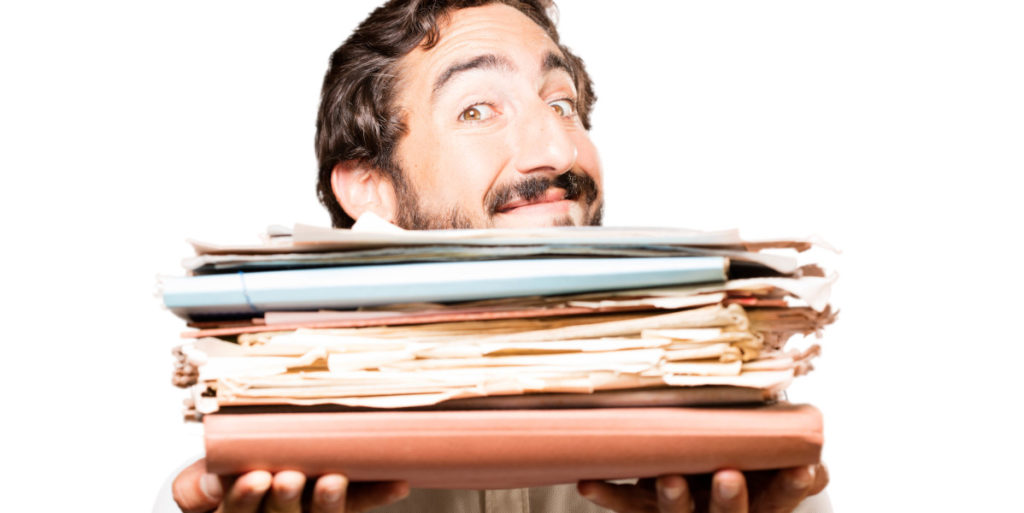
(332, 495)
(586, 490)
(331, 488)
(728, 489)
(209, 484)
(803, 480)
(672, 492)
(288, 494)
(398, 495)
(257, 485)
(671, 488)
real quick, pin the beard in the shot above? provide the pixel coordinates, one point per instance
(412, 215)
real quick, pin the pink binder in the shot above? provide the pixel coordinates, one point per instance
(486, 449)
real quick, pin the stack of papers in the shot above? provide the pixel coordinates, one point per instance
(462, 319)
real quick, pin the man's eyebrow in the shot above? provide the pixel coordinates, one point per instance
(486, 61)
(553, 61)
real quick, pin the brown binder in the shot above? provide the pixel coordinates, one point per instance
(486, 449)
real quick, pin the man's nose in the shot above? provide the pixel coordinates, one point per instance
(544, 143)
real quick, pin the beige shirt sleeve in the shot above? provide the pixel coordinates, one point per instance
(546, 499)
(559, 498)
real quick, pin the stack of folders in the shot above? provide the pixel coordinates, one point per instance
(499, 358)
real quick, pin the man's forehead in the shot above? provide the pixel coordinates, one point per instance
(493, 36)
(549, 62)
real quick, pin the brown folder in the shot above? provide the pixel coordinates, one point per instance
(485, 449)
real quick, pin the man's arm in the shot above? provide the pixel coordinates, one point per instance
(196, 491)
(728, 491)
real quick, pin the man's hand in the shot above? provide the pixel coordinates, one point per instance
(728, 491)
(196, 491)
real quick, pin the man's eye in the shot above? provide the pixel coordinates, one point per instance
(564, 107)
(478, 112)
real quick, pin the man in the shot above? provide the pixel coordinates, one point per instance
(458, 114)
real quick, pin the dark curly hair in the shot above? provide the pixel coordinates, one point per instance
(358, 120)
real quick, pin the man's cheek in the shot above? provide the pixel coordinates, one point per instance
(473, 167)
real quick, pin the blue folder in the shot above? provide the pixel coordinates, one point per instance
(248, 293)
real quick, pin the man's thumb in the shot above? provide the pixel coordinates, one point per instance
(196, 491)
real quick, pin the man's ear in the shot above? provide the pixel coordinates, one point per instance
(361, 188)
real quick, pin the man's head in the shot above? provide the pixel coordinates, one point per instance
(458, 113)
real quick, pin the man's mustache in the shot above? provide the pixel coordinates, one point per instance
(575, 184)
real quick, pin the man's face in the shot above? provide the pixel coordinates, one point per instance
(493, 136)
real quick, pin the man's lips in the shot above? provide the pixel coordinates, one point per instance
(550, 196)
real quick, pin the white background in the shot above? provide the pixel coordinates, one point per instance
(894, 129)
